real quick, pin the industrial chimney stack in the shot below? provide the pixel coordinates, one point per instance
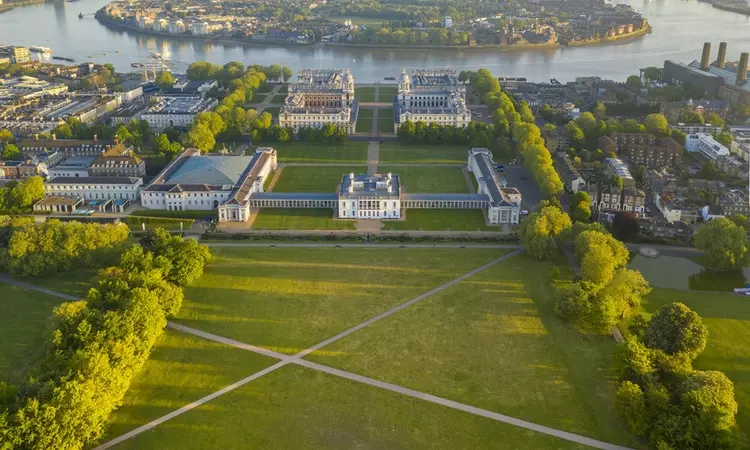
(721, 60)
(706, 57)
(742, 69)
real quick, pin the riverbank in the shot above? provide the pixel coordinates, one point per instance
(638, 34)
(744, 10)
(5, 7)
(446, 47)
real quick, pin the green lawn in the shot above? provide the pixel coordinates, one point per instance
(313, 179)
(284, 89)
(257, 98)
(365, 94)
(366, 112)
(494, 341)
(181, 369)
(386, 93)
(727, 317)
(278, 99)
(264, 89)
(288, 299)
(299, 219)
(272, 110)
(441, 220)
(399, 153)
(347, 152)
(298, 408)
(23, 329)
(385, 120)
(364, 124)
(429, 180)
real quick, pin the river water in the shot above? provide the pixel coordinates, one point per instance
(680, 28)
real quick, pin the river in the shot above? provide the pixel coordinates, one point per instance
(680, 28)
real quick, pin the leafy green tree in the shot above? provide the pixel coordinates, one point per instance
(715, 120)
(634, 81)
(526, 114)
(575, 133)
(165, 80)
(616, 181)
(63, 131)
(741, 221)
(6, 136)
(10, 152)
(675, 328)
(286, 73)
(657, 124)
(709, 397)
(571, 302)
(600, 111)
(538, 230)
(724, 242)
(600, 255)
(631, 404)
(587, 122)
(580, 207)
(187, 256)
(202, 137)
(632, 126)
(724, 138)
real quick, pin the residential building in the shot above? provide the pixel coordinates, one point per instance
(14, 170)
(615, 166)
(706, 145)
(95, 188)
(16, 54)
(695, 129)
(608, 198)
(573, 180)
(320, 97)
(365, 196)
(431, 96)
(118, 166)
(72, 167)
(176, 112)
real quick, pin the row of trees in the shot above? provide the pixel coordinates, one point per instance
(8, 150)
(203, 71)
(661, 396)
(388, 35)
(19, 196)
(97, 345)
(477, 134)
(55, 246)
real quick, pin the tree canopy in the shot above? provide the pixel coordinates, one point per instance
(724, 242)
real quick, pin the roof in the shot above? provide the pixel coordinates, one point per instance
(219, 170)
(485, 163)
(729, 76)
(94, 180)
(294, 196)
(364, 185)
(453, 197)
(50, 200)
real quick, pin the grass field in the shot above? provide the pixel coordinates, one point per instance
(181, 369)
(299, 219)
(322, 152)
(385, 120)
(207, 214)
(365, 94)
(494, 341)
(288, 299)
(313, 179)
(23, 329)
(386, 93)
(296, 408)
(364, 121)
(272, 110)
(398, 153)
(441, 220)
(278, 99)
(727, 317)
(428, 180)
(257, 98)
(284, 89)
(264, 89)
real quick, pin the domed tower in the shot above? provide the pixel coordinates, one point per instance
(404, 82)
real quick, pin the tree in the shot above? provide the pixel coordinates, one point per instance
(63, 131)
(724, 138)
(616, 181)
(651, 73)
(525, 111)
(657, 124)
(575, 133)
(538, 230)
(165, 80)
(10, 152)
(202, 137)
(187, 256)
(571, 301)
(549, 128)
(600, 111)
(708, 396)
(715, 120)
(724, 242)
(741, 221)
(6, 136)
(631, 404)
(286, 73)
(676, 329)
(632, 126)
(587, 122)
(580, 207)
(600, 255)
(634, 81)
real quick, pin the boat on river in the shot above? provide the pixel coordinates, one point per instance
(40, 49)
(63, 58)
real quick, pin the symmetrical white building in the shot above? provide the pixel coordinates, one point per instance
(95, 188)
(363, 196)
(204, 182)
(706, 145)
(504, 203)
(178, 112)
(320, 97)
(431, 96)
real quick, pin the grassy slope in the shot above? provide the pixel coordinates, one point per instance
(441, 220)
(494, 342)
(295, 408)
(288, 299)
(181, 369)
(23, 329)
(322, 152)
(428, 180)
(313, 179)
(299, 219)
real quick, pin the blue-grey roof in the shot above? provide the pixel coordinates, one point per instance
(729, 76)
(370, 186)
(215, 170)
(462, 197)
(293, 196)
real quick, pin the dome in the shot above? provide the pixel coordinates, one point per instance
(404, 78)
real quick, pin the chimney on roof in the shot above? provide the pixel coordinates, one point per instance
(742, 69)
(706, 56)
(54, 137)
(721, 60)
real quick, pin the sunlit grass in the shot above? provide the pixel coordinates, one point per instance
(313, 179)
(429, 180)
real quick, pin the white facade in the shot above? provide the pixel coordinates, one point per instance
(318, 98)
(671, 213)
(178, 112)
(95, 188)
(369, 197)
(706, 145)
(504, 202)
(447, 22)
(432, 96)
(199, 28)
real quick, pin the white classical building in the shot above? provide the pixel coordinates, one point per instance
(706, 145)
(320, 97)
(95, 188)
(431, 96)
(504, 204)
(178, 112)
(204, 182)
(363, 196)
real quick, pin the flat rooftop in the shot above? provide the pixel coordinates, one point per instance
(180, 105)
(363, 185)
(212, 170)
